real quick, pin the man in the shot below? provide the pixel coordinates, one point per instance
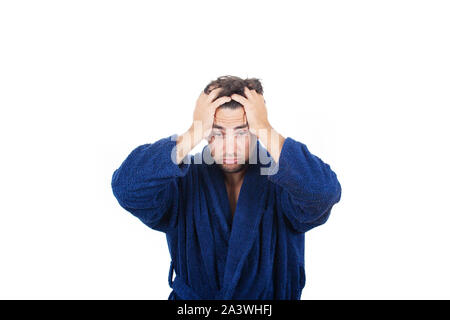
(235, 225)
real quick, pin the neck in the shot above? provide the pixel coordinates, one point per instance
(234, 178)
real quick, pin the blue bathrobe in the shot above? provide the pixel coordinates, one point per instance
(258, 253)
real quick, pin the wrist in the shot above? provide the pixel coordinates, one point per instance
(184, 145)
(264, 130)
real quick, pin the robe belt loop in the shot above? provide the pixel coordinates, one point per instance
(182, 290)
(171, 274)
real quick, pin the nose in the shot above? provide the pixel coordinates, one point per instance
(230, 145)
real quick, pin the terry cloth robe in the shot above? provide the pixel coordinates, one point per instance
(257, 254)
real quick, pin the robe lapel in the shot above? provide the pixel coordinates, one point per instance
(206, 240)
(213, 201)
(244, 226)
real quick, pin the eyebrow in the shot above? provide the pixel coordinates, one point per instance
(215, 126)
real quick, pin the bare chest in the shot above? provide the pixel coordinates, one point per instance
(233, 196)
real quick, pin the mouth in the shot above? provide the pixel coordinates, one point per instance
(229, 160)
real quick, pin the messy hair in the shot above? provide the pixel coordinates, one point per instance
(233, 84)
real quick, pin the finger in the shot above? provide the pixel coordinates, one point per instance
(245, 118)
(202, 95)
(221, 101)
(249, 93)
(239, 98)
(214, 93)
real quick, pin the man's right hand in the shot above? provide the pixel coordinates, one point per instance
(205, 110)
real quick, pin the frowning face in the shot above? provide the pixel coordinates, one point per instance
(231, 141)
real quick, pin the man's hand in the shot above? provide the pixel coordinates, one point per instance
(255, 110)
(205, 110)
(201, 127)
(256, 113)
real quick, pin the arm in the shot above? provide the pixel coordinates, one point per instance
(309, 188)
(146, 184)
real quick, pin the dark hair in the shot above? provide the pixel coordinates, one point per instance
(233, 84)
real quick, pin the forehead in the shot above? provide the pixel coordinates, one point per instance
(230, 118)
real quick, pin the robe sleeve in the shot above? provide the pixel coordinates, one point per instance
(147, 184)
(309, 188)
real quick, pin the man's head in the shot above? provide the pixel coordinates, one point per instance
(231, 141)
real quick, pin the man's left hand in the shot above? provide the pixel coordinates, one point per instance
(255, 110)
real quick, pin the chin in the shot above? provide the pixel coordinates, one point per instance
(231, 168)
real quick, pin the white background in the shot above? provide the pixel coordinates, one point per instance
(364, 84)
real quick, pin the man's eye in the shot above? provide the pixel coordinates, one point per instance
(242, 133)
(217, 134)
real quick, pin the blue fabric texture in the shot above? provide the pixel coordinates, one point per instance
(258, 254)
